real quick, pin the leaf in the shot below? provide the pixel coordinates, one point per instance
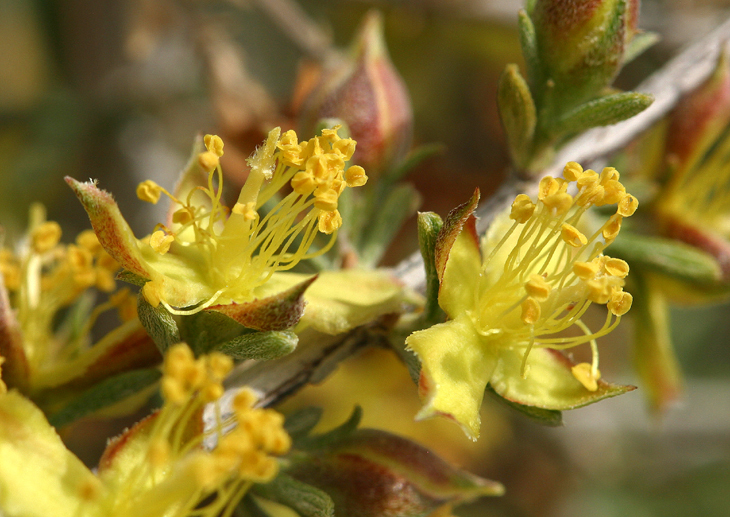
(263, 346)
(399, 204)
(517, 113)
(412, 160)
(547, 417)
(206, 330)
(107, 393)
(528, 42)
(429, 226)
(301, 422)
(667, 257)
(604, 111)
(336, 434)
(307, 500)
(131, 278)
(638, 44)
(158, 323)
(277, 312)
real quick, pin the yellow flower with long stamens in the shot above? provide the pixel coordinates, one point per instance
(158, 467)
(511, 313)
(237, 260)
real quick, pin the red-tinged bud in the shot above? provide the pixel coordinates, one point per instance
(365, 91)
(700, 117)
(581, 45)
(15, 371)
(373, 473)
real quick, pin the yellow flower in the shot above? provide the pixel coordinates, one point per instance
(42, 279)
(508, 312)
(208, 255)
(158, 467)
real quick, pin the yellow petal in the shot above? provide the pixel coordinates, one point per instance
(456, 365)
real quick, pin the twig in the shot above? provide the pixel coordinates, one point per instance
(319, 355)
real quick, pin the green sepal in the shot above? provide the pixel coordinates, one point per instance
(301, 422)
(603, 111)
(131, 278)
(305, 499)
(667, 257)
(429, 226)
(399, 204)
(638, 44)
(412, 160)
(546, 417)
(338, 433)
(262, 346)
(159, 324)
(206, 330)
(517, 113)
(528, 42)
(105, 394)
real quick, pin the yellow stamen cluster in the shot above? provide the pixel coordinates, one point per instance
(237, 248)
(176, 466)
(45, 276)
(555, 271)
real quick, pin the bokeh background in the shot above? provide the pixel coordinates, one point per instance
(116, 90)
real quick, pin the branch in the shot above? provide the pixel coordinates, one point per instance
(318, 355)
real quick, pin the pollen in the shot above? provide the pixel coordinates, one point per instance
(627, 206)
(617, 267)
(572, 171)
(572, 236)
(149, 191)
(45, 236)
(214, 144)
(538, 288)
(355, 176)
(620, 302)
(208, 161)
(586, 375)
(530, 311)
(522, 209)
(161, 242)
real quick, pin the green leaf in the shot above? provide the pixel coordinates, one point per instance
(604, 111)
(668, 257)
(528, 42)
(639, 43)
(105, 394)
(399, 204)
(547, 417)
(412, 160)
(429, 226)
(131, 278)
(517, 113)
(307, 500)
(260, 345)
(158, 323)
(336, 434)
(301, 422)
(206, 330)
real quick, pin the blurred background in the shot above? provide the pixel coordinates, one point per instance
(117, 90)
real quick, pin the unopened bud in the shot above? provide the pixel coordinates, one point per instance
(365, 91)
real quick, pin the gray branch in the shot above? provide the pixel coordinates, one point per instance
(319, 355)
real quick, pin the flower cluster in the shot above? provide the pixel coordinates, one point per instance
(158, 467)
(508, 312)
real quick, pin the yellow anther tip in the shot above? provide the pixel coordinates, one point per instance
(214, 144)
(161, 242)
(208, 161)
(620, 302)
(572, 171)
(572, 236)
(538, 288)
(585, 374)
(355, 176)
(522, 209)
(328, 222)
(45, 236)
(149, 191)
(530, 311)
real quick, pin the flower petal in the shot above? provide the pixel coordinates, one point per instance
(38, 475)
(15, 371)
(460, 277)
(455, 368)
(341, 300)
(549, 383)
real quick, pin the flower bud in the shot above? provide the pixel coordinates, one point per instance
(402, 477)
(365, 91)
(700, 117)
(581, 45)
